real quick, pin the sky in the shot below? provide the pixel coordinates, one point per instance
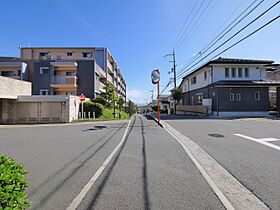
(139, 33)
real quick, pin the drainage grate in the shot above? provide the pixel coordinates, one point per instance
(216, 135)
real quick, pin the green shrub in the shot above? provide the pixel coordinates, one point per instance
(100, 100)
(12, 185)
(89, 106)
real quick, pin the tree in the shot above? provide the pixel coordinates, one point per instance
(177, 95)
(132, 108)
(109, 95)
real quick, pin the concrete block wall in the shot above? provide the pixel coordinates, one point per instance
(11, 88)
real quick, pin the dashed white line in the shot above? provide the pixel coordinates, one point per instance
(261, 141)
(78, 199)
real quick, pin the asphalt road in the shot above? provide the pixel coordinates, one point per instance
(149, 171)
(255, 165)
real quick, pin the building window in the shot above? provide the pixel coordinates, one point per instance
(199, 98)
(238, 97)
(86, 54)
(240, 72)
(43, 54)
(257, 96)
(186, 87)
(233, 72)
(205, 75)
(69, 53)
(193, 80)
(44, 70)
(70, 73)
(226, 72)
(44, 92)
(231, 96)
(246, 72)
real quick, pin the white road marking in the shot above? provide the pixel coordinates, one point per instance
(261, 141)
(269, 139)
(229, 190)
(76, 202)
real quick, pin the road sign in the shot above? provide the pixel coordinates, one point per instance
(82, 97)
(155, 76)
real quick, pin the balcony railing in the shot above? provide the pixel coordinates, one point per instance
(64, 80)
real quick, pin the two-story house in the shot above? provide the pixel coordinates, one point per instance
(230, 87)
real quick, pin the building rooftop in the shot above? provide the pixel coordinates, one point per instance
(230, 61)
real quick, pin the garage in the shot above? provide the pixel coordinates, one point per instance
(47, 109)
(40, 112)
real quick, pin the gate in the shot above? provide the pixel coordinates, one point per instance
(39, 112)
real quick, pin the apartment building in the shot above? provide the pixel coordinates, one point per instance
(71, 71)
(230, 87)
(13, 68)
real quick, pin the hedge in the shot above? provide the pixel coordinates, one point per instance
(93, 107)
(12, 185)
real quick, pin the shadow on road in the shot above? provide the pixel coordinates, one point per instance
(73, 172)
(110, 170)
(146, 196)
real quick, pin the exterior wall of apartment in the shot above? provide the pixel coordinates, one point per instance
(86, 78)
(56, 53)
(41, 81)
(11, 88)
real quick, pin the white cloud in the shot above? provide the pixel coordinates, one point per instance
(136, 95)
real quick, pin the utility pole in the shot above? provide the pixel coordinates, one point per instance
(174, 66)
(174, 71)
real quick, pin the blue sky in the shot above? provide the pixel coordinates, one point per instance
(138, 33)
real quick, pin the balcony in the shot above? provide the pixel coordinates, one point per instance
(102, 87)
(64, 82)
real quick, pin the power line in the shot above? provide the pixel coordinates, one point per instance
(184, 41)
(185, 23)
(236, 43)
(183, 34)
(239, 31)
(191, 60)
(221, 35)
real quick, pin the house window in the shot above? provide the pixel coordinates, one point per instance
(246, 72)
(240, 72)
(44, 92)
(86, 54)
(233, 72)
(257, 96)
(226, 72)
(205, 75)
(186, 87)
(43, 54)
(69, 53)
(44, 70)
(199, 98)
(238, 97)
(193, 80)
(231, 96)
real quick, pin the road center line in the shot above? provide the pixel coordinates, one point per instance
(229, 190)
(261, 141)
(78, 199)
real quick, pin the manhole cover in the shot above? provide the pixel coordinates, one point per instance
(216, 135)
